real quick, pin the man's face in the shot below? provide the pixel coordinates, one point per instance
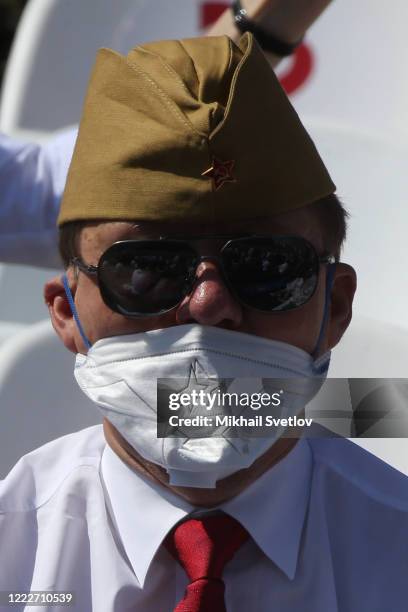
(210, 302)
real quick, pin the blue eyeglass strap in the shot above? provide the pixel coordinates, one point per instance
(74, 311)
(331, 269)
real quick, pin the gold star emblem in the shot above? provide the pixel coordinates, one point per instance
(220, 172)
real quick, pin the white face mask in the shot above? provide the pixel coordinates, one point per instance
(120, 375)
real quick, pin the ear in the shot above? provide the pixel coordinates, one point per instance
(60, 312)
(341, 303)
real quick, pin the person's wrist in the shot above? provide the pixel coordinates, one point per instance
(250, 16)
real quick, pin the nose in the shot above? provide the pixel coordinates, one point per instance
(210, 301)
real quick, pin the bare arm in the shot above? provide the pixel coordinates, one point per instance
(288, 20)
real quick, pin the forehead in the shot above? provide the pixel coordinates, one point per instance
(97, 237)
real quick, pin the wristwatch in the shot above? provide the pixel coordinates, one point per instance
(267, 41)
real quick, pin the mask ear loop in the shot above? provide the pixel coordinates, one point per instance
(331, 269)
(74, 311)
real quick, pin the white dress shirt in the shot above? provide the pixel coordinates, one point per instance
(328, 526)
(32, 180)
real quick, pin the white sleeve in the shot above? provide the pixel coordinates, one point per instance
(32, 180)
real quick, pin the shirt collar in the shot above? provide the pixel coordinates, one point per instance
(144, 512)
(272, 509)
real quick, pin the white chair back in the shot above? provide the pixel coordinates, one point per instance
(39, 398)
(370, 173)
(55, 48)
(375, 407)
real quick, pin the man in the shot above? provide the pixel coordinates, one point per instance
(201, 234)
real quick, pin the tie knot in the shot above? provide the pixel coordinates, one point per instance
(204, 546)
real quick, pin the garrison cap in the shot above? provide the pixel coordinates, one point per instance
(195, 129)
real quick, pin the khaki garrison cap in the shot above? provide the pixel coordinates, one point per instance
(194, 129)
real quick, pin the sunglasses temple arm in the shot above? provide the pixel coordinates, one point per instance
(74, 311)
(331, 269)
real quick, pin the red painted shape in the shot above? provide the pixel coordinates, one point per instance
(210, 11)
(220, 172)
(300, 70)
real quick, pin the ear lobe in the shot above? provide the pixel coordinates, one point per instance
(341, 303)
(59, 309)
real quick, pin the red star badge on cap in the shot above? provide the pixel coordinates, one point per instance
(220, 172)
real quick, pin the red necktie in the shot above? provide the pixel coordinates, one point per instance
(203, 547)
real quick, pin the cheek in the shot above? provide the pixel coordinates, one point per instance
(99, 321)
(92, 311)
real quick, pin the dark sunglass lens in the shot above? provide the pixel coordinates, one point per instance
(146, 277)
(272, 274)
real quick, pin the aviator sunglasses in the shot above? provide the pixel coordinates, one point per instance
(140, 278)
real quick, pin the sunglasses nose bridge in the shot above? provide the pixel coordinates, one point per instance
(209, 300)
(203, 259)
